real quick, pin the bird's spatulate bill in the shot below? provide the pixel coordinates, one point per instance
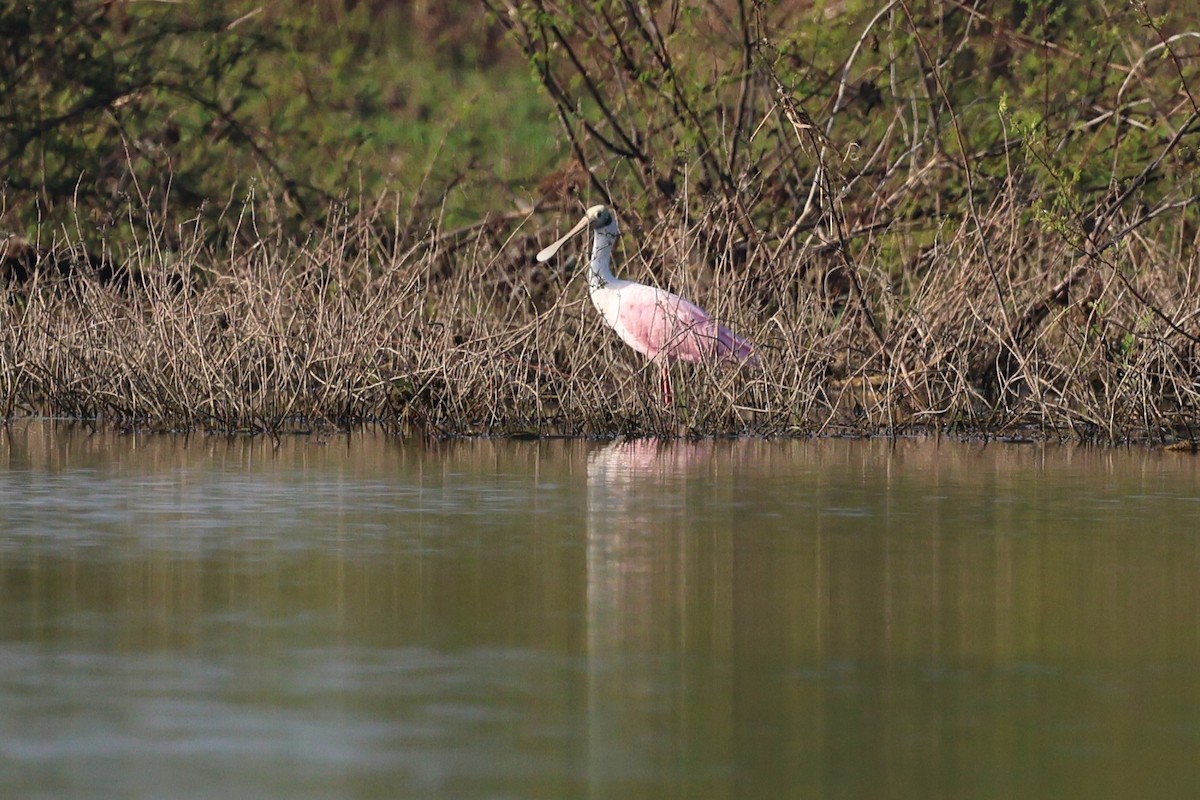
(548, 252)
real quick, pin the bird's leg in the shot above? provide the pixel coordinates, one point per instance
(665, 376)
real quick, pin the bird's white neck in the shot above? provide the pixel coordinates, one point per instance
(600, 273)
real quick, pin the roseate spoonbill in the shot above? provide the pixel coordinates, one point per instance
(660, 325)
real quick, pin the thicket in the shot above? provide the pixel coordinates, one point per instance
(113, 114)
(973, 217)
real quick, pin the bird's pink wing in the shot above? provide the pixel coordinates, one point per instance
(654, 321)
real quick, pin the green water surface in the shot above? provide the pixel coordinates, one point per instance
(361, 616)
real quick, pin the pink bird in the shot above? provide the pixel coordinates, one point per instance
(660, 325)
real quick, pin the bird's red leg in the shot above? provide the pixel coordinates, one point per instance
(666, 385)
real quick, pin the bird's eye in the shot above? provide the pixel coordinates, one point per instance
(603, 218)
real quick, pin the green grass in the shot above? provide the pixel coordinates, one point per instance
(395, 119)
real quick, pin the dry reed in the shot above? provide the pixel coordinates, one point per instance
(465, 335)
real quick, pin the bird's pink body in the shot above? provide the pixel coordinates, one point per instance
(660, 325)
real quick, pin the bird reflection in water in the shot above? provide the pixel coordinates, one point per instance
(643, 616)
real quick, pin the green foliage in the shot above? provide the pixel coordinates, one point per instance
(664, 106)
(112, 111)
(373, 116)
(737, 110)
(102, 102)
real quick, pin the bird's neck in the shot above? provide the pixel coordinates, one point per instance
(600, 274)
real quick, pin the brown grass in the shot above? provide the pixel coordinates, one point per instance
(465, 335)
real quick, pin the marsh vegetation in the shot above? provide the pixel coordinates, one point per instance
(964, 217)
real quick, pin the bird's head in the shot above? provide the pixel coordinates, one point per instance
(599, 218)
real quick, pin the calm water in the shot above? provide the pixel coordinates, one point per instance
(364, 617)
